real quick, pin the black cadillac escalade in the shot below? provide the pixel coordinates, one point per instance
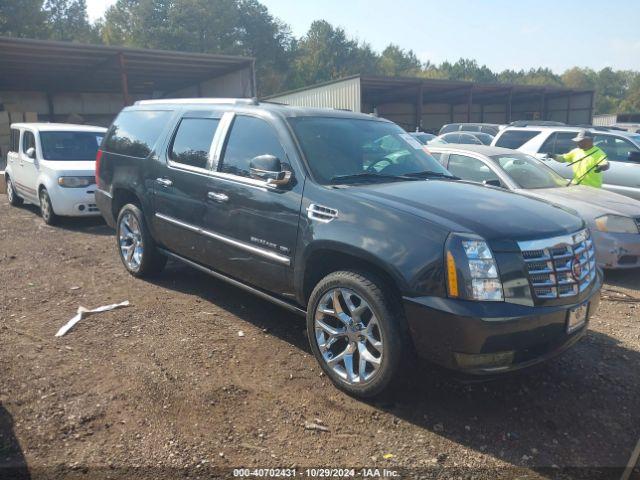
(346, 219)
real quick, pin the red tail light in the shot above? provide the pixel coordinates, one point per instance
(98, 158)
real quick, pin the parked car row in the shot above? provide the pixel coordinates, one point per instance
(471, 256)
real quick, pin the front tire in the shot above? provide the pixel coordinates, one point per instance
(136, 247)
(355, 332)
(46, 209)
(12, 195)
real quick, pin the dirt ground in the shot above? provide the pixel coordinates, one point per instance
(168, 388)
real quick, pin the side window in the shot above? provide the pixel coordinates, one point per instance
(449, 128)
(515, 138)
(134, 133)
(549, 145)
(616, 148)
(249, 138)
(564, 142)
(28, 141)
(470, 128)
(15, 140)
(469, 168)
(192, 141)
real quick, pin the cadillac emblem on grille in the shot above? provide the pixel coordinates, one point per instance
(576, 268)
(561, 266)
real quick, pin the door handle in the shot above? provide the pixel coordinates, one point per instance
(165, 182)
(218, 197)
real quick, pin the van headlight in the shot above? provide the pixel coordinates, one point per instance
(472, 272)
(617, 224)
(76, 182)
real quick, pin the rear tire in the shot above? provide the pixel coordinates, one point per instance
(356, 332)
(12, 195)
(136, 247)
(46, 209)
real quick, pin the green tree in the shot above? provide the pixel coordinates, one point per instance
(395, 61)
(631, 102)
(68, 20)
(579, 78)
(467, 69)
(22, 18)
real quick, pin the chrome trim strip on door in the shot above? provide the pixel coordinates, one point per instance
(236, 283)
(230, 241)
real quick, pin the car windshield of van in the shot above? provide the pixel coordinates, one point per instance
(528, 172)
(347, 150)
(70, 145)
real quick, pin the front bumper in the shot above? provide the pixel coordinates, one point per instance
(74, 202)
(489, 337)
(617, 250)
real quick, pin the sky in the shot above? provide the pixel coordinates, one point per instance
(502, 34)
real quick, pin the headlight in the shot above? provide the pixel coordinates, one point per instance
(472, 272)
(76, 182)
(616, 224)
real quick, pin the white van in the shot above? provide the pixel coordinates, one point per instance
(53, 165)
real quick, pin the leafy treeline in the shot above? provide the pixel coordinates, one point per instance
(245, 27)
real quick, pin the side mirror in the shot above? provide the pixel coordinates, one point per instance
(269, 168)
(493, 183)
(634, 156)
(31, 152)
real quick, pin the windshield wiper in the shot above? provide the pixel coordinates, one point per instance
(354, 177)
(429, 173)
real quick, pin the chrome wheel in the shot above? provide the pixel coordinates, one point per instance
(130, 240)
(348, 336)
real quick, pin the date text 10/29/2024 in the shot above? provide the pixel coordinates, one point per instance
(315, 473)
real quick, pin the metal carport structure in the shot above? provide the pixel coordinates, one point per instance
(55, 79)
(424, 103)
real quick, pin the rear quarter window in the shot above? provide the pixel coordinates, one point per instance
(134, 133)
(515, 138)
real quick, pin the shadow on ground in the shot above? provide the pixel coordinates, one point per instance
(579, 410)
(624, 278)
(12, 462)
(89, 225)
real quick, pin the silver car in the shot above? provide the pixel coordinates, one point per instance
(622, 149)
(614, 220)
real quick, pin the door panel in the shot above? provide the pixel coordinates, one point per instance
(181, 186)
(28, 168)
(622, 177)
(254, 226)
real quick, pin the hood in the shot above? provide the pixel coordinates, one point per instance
(493, 213)
(589, 202)
(72, 167)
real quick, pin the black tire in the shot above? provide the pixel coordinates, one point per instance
(46, 208)
(391, 330)
(150, 261)
(12, 195)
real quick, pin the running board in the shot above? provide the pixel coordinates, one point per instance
(235, 283)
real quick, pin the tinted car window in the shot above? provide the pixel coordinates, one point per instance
(616, 148)
(15, 140)
(469, 168)
(70, 145)
(336, 148)
(192, 141)
(134, 133)
(564, 142)
(528, 172)
(491, 130)
(461, 138)
(453, 127)
(250, 137)
(470, 128)
(515, 138)
(28, 141)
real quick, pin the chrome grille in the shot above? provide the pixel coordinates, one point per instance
(561, 266)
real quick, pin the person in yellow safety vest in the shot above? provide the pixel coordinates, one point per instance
(588, 161)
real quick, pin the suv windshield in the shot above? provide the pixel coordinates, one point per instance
(528, 172)
(346, 147)
(70, 145)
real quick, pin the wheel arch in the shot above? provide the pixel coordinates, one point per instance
(120, 197)
(325, 257)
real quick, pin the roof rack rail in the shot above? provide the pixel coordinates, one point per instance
(205, 101)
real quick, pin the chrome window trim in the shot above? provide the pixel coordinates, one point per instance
(230, 241)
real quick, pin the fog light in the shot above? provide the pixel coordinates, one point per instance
(484, 360)
(81, 208)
